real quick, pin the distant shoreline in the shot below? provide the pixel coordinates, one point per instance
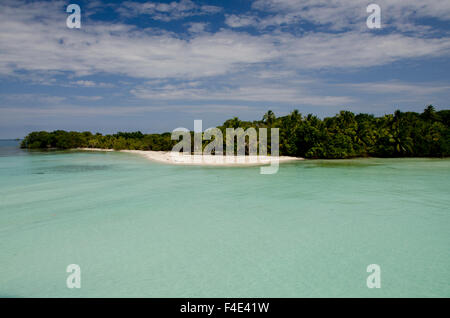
(344, 136)
(174, 158)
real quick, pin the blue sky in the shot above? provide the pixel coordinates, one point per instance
(157, 65)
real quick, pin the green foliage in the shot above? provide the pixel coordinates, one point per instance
(346, 135)
(67, 140)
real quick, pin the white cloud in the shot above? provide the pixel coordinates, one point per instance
(196, 27)
(210, 9)
(89, 98)
(35, 99)
(397, 87)
(166, 11)
(356, 50)
(46, 45)
(12, 112)
(341, 14)
(85, 83)
(238, 21)
(207, 66)
(246, 89)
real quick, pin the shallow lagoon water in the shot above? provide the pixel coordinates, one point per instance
(143, 229)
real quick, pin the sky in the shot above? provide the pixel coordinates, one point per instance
(154, 66)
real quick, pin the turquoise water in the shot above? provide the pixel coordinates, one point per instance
(143, 229)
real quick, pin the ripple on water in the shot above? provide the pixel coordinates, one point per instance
(72, 168)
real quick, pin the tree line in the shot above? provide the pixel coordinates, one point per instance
(345, 135)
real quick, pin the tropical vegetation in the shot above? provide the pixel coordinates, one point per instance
(346, 135)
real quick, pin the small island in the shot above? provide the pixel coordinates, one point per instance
(346, 135)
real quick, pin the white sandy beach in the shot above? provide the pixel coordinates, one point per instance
(177, 158)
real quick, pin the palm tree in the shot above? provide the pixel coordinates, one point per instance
(295, 115)
(429, 113)
(269, 118)
(235, 122)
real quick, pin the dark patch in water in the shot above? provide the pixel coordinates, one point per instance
(73, 169)
(340, 164)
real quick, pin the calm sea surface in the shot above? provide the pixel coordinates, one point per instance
(143, 229)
